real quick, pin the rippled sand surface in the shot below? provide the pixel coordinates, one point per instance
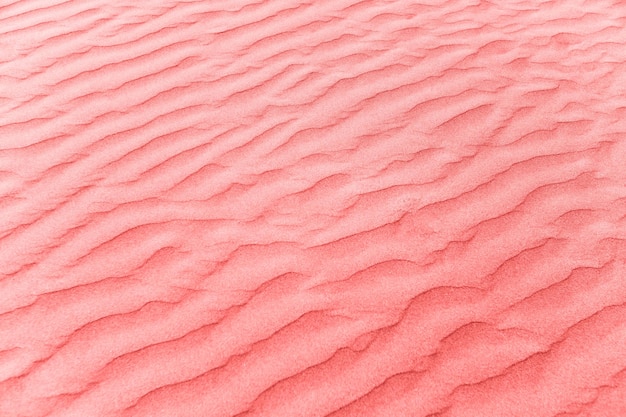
(312, 209)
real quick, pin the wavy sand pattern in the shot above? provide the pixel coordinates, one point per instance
(324, 208)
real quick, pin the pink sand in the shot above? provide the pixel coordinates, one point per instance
(336, 208)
